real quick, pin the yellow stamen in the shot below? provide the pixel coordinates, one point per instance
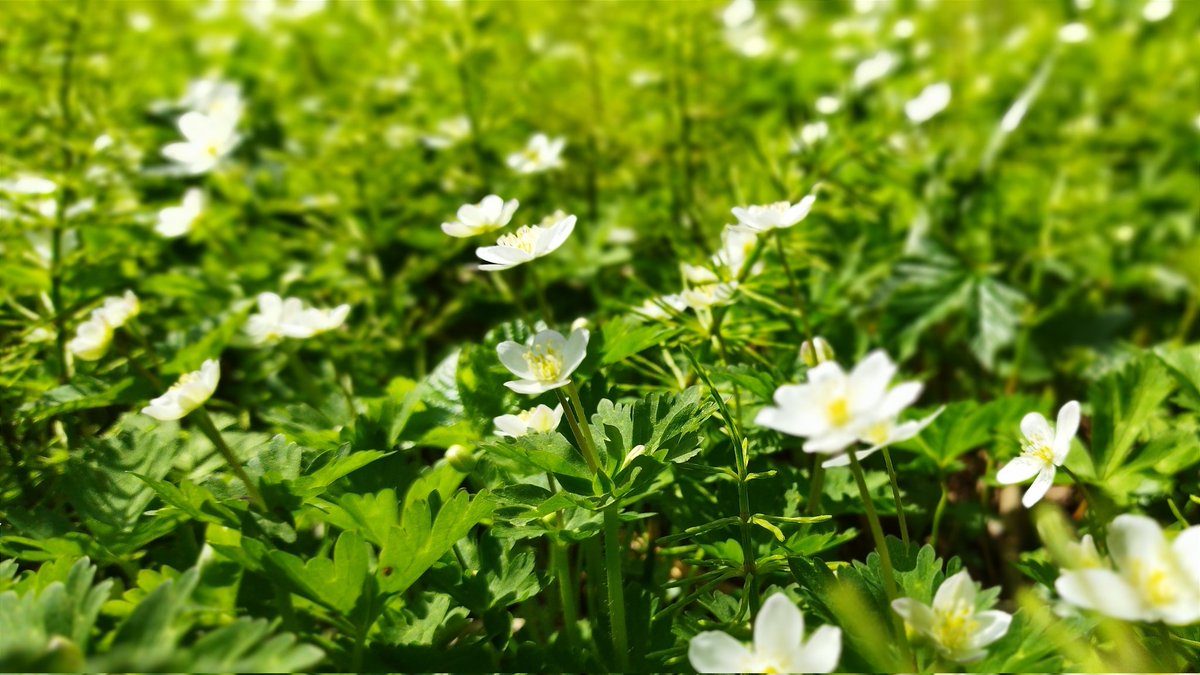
(838, 411)
(545, 362)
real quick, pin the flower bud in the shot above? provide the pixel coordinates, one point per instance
(461, 458)
(816, 352)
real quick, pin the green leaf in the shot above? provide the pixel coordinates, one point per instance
(1123, 404)
(337, 583)
(625, 336)
(422, 538)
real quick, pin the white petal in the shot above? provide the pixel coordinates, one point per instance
(459, 230)
(869, 380)
(917, 615)
(778, 629)
(1019, 470)
(512, 355)
(1064, 430)
(821, 652)
(504, 256)
(164, 413)
(844, 458)
(1036, 428)
(834, 441)
(992, 625)
(574, 351)
(1131, 538)
(717, 652)
(555, 236)
(899, 397)
(958, 588)
(1186, 548)
(509, 425)
(1102, 590)
(532, 387)
(196, 127)
(1037, 490)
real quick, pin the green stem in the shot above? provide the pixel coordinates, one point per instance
(796, 298)
(749, 562)
(575, 430)
(560, 566)
(616, 584)
(885, 557)
(938, 512)
(540, 294)
(206, 425)
(817, 481)
(585, 429)
(887, 459)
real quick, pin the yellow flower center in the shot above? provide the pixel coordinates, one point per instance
(523, 239)
(838, 411)
(545, 362)
(953, 627)
(1154, 583)
(212, 149)
(877, 434)
(1038, 449)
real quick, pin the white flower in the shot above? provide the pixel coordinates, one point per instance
(828, 105)
(873, 68)
(546, 363)
(810, 135)
(527, 243)
(91, 340)
(957, 628)
(207, 141)
(737, 13)
(176, 221)
(541, 154)
(94, 336)
(492, 213)
(449, 133)
(887, 431)
(1083, 554)
(834, 410)
(931, 101)
(278, 318)
(1157, 10)
(904, 29)
(737, 244)
(219, 99)
(778, 215)
(1042, 452)
(663, 306)
(189, 393)
(540, 420)
(1154, 580)
(1073, 33)
(707, 296)
(779, 645)
(28, 185)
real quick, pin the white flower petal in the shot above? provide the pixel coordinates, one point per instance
(992, 625)
(1132, 538)
(1064, 431)
(512, 355)
(1036, 428)
(869, 380)
(1019, 470)
(820, 652)
(1104, 591)
(778, 629)
(918, 615)
(717, 652)
(1037, 490)
(956, 589)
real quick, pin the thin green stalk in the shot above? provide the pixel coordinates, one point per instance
(560, 567)
(939, 512)
(206, 425)
(569, 409)
(816, 484)
(796, 297)
(887, 459)
(540, 294)
(585, 429)
(616, 585)
(885, 557)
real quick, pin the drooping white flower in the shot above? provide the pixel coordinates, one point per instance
(527, 243)
(279, 318)
(176, 221)
(540, 420)
(207, 140)
(931, 101)
(955, 626)
(541, 154)
(1157, 10)
(546, 362)
(874, 68)
(1042, 452)
(189, 393)
(779, 215)
(1154, 580)
(94, 336)
(834, 410)
(779, 645)
(491, 213)
(91, 340)
(737, 245)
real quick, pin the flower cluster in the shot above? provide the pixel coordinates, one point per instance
(94, 336)
(279, 318)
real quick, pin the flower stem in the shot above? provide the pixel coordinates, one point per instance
(540, 294)
(816, 484)
(575, 430)
(560, 567)
(616, 584)
(796, 299)
(214, 435)
(584, 429)
(887, 458)
(885, 557)
(938, 512)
